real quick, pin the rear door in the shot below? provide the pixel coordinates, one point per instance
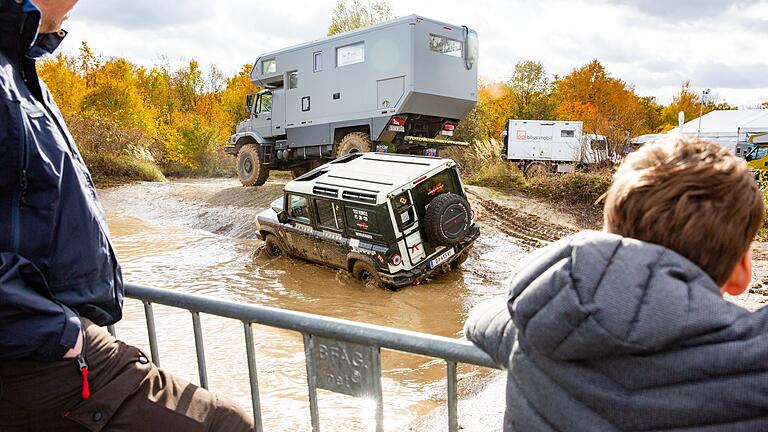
(331, 243)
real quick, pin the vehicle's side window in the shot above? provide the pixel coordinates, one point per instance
(444, 45)
(362, 220)
(329, 214)
(293, 80)
(317, 61)
(350, 54)
(298, 208)
(265, 103)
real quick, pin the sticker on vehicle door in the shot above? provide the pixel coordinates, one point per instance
(442, 258)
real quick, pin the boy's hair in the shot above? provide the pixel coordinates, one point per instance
(689, 195)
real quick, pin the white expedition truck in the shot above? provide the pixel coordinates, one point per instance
(542, 146)
(403, 84)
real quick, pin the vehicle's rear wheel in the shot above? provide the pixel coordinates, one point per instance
(536, 170)
(367, 274)
(274, 247)
(447, 220)
(354, 142)
(463, 256)
(250, 171)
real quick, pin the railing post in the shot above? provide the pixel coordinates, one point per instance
(453, 422)
(201, 369)
(311, 384)
(254, 378)
(376, 366)
(151, 333)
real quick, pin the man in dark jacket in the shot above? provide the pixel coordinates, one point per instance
(627, 329)
(59, 276)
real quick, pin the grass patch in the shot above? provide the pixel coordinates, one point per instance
(571, 188)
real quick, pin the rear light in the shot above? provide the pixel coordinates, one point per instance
(397, 121)
(449, 127)
(395, 259)
(419, 180)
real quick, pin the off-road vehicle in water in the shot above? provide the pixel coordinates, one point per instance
(389, 219)
(402, 84)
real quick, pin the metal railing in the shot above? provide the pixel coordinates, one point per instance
(325, 340)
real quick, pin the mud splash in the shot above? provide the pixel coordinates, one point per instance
(197, 236)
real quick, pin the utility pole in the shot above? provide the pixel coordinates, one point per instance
(704, 95)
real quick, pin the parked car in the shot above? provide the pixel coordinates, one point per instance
(389, 219)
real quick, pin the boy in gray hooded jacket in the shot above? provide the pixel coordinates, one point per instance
(627, 329)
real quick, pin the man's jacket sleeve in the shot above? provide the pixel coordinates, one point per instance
(32, 325)
(490, 327)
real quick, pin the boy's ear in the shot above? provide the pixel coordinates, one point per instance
(740, 277)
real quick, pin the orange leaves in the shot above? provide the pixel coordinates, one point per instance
(183, 115)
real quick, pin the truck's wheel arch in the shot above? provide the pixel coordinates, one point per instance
(340, 132)
(247, 139)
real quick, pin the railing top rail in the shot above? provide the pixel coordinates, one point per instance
(369, 334)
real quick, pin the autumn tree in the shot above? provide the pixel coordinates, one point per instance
(608, 106)
(687, 101)
(358, 14)
(531, 91)
(764, 105)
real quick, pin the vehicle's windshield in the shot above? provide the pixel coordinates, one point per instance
(757, 153)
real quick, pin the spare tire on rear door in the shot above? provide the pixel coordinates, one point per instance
(447, 220)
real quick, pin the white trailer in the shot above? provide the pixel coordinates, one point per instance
(547, 145)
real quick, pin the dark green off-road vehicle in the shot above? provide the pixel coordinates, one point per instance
(389, 219)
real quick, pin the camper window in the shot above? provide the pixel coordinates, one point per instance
(293, 80)
(268, 66)
(350, 54)
(443, 45)
(566, 134)
(317, 61)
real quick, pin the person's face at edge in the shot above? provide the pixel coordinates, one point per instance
(53, 13)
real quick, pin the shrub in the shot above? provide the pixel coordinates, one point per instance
(572, 188)
(114, 154)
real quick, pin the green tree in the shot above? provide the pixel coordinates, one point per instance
(532, 91)
(355, 15)
(652, 113)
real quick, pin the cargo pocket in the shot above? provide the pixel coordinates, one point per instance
(95, 412)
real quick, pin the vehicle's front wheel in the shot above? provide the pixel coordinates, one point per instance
(250, 171)
(354, 142)
(366, 273)
(274, 247)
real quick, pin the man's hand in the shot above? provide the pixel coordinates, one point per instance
(74, 352)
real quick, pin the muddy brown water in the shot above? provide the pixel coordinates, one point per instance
(197, 236)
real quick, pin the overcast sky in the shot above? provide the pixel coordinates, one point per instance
(653, 44)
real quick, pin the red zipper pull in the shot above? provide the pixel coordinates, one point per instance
(84, 372)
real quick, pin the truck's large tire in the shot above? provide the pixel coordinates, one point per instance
(354, 142)
(250, 171)
(536, 170)
(447, 220)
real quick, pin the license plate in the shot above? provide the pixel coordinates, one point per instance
(442, 258)
(396, 128)
(447, 133)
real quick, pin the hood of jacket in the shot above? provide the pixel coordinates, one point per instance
(596, 294)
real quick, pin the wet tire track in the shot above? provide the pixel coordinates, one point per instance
(529, 230)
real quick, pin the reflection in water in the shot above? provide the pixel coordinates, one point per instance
(158, 245)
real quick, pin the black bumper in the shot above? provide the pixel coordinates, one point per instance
(422, 271)
(230, 150)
